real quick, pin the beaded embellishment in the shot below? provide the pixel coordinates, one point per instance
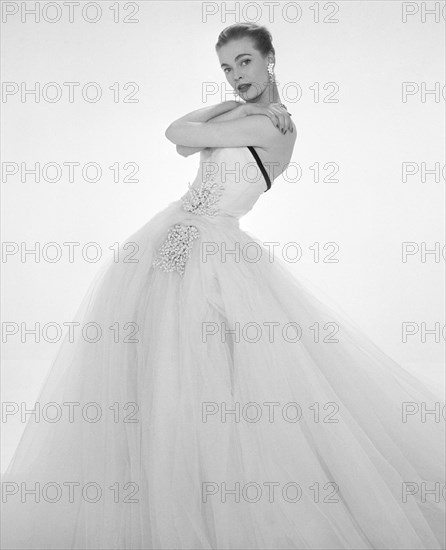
(203, 200)
(176, 249)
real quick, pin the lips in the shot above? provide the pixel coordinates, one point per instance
(243, 87)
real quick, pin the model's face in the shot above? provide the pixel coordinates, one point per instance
(245, 68)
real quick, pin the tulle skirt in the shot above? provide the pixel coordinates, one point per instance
(225, 407)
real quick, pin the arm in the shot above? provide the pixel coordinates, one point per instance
(236, 111)
(206, 113)
(244, 125)
(249, 130)
(186, 151)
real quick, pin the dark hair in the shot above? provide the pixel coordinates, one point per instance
(259, 35)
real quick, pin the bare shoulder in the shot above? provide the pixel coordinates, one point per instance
(277, 154)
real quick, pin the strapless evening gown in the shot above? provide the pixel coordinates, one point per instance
(223, 406)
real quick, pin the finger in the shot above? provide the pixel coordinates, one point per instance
(283, 124)
(270, 112)
(273, 119)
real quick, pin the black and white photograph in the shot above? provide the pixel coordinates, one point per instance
(223, 275)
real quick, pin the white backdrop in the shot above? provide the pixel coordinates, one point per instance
(363, 51)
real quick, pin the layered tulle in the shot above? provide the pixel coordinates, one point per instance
(228, 408)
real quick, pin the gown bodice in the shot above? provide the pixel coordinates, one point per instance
(229, 182)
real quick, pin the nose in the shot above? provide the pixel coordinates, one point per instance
(237, 76)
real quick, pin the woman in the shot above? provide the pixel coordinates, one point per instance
(185, 426)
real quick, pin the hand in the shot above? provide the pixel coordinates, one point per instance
(278, 115)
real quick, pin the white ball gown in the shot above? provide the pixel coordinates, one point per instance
(191, 428)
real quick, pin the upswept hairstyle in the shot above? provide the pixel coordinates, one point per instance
(260, 36)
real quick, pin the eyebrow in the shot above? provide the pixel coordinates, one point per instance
(239, 55)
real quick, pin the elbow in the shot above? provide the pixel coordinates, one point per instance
(172, 133)
(181, 150)
(168, 133)
(179, 133)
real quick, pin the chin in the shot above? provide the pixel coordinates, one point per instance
(250, 96)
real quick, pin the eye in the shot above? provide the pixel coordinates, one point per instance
(226, 69)
(246, 61)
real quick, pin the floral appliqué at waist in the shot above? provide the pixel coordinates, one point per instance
(203, 199)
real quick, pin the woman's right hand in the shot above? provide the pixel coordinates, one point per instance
(278, 115)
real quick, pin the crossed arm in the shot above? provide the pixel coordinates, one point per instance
(228, 124)
(228, 110)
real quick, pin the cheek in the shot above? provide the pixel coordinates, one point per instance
(257, 73)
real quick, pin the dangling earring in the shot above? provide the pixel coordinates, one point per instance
(272, 80)
(271, 75)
